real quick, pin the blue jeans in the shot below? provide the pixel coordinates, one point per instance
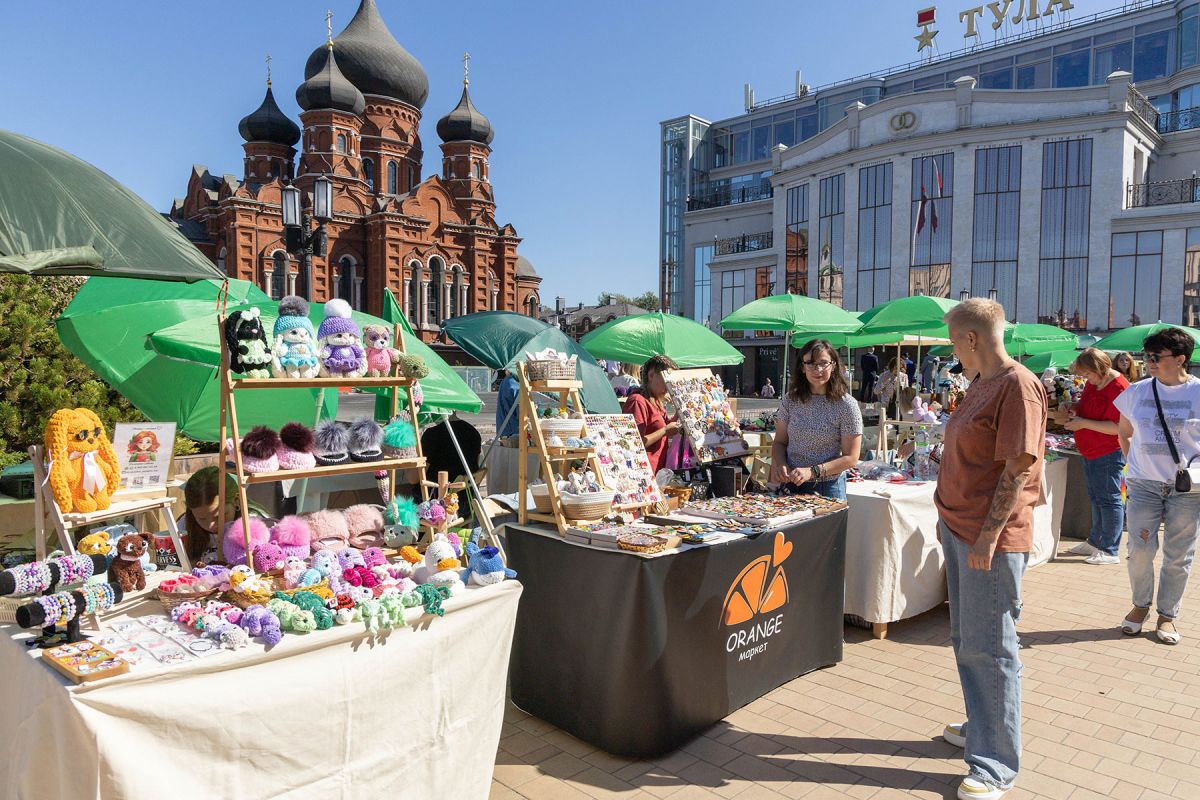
(834, 488)
(984, 609)
(1153, 504)
(1103, 476)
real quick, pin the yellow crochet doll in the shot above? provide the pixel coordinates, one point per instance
(84, 471)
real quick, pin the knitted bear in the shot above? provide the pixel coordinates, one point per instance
(126, 568)
(249, 348)
(381, 356)
(82, 468)
(341, 354)
(295, 351)
(258, 621)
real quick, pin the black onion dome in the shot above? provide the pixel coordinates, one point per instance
(372, 59)
(269, 124)
(327, 87)
(465, 123)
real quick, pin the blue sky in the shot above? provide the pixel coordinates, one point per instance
(575, 91)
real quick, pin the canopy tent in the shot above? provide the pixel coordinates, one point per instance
(1131, 339)
(60, 215)
(635, 339)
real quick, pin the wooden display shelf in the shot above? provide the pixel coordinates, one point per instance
(555, 385)
(317, 383)
(350, 468)
(569, 453)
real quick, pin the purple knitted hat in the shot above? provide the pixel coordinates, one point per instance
(337, 319)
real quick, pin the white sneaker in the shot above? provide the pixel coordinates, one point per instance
(972, 788)
(955, 734)
(1100, 557)
(1082, 549)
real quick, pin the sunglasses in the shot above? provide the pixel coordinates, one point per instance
(1154, 358)
(85, 433)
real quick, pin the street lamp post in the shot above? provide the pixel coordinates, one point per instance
(299, 237)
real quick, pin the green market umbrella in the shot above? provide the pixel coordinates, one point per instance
(1131, 339)
(500, 339)
(1056, 359)
(60, 215)
(1031, 338)
(919, 315)
(639, 337)
(795, 315)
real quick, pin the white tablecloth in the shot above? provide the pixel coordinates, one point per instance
(333, 714)
(894, 565)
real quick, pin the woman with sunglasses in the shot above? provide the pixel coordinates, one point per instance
(818, 429)
(1168, 404)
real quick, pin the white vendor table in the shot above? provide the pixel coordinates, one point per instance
(414, 712)
(894, 564)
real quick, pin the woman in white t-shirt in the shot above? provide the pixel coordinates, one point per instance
(1152, 501)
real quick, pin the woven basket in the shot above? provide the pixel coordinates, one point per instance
(541, 498)
(551, 370)
(586, 506)
(561, 427)
(171, 600)
(8, 609)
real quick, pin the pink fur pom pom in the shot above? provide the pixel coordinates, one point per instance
(234, 543)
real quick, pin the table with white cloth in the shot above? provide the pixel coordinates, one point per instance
(894, 564)
(412, 712)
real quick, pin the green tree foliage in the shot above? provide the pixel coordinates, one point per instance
(646, 300)
(37, 374)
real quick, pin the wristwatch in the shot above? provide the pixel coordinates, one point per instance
(817, 472)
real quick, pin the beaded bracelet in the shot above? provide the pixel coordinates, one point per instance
(97, 597)
(68, 606)
(51, 608)
(32, 577)
(74, 569)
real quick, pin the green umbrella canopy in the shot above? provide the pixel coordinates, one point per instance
(919, 315)
(1031, 338)
(639, 337)
(794, 313)
(62, 216)
(500, 339)
(1131, 339)
(1057, 359)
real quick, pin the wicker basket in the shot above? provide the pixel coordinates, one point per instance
(541, 498)
(551, 370)
(171, 600)
(560, 426)
(593, 505)
(8, 608)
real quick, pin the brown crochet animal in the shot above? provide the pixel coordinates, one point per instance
(84, 471)
(126, 567)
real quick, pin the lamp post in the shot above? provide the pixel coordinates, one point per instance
(963, 295)
(299, 237)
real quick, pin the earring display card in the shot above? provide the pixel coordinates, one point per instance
(708, 420)
(163, 640)
(85, 661)
(623, 460)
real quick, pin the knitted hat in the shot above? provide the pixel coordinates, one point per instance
(296, 445)
(366, 440)
(332, 440)
(259, 448)
(337, 319)
(233, 545)
(293, 536)
(293, 313)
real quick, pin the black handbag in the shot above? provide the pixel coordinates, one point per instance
(1186, 478)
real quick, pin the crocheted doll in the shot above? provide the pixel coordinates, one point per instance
(295, 351)
(126, 568)
(485, 567)
(381, 356)
(258, 621)
(246, 340)
(267, 557)
(83, 471)
(341, 354)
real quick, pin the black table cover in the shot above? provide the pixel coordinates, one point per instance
(1077, 506)
(636, 656)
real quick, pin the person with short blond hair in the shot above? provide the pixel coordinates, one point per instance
(993, 457)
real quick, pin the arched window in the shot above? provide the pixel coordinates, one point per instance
(412, 177)
(341, 142)
(277, 285)
(437, 281)
(414, 293)
(532, 303)
(221, 260)
(392, 178)
(347, 281)
(477, 171)
(369, 173)
(456, 291)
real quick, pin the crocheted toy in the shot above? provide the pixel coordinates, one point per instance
(432, 598)
(921, 412)
(400, 522)
(83, 471)
(212, 577)
(433, 513)
(365, 523)
(350, 558)
(373, 557)
(360, 576)
(399, 439)
(253, 588)
(297, 447)
(95, 544)
(326, 563)
(341, 354)
(380, 353)
(293, 535)
(233, 543)
(412, 366)
(485, 567)
(260, 450)
(258, 621)
(295, 351)
(455, 542)
(267, 557)
(329, 530)
(293, 569)
(249, 348)
(344, 616)
(291, 617)
(314, 605)
(126, 567)
(332, 443)
(411, 554)
(440, 566)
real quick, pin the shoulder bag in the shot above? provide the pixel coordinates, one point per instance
(1187, 479)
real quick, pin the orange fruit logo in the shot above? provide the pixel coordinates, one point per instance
(761, 587)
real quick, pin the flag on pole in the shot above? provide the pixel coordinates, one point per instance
(937, 178)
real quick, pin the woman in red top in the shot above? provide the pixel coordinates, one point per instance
(649, 411)
(1094, 421)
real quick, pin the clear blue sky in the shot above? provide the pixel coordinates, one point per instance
(575, 91)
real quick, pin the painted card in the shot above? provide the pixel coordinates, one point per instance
(708, 420)
(624, 465)
(144, 450)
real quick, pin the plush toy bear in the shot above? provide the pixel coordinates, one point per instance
(381, 356)
(246, 340)
(126, 568)
(341, 354)
(83, 468)
(295, 351)
(267, 557)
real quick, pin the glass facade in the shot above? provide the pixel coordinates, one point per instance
(831, 234)
(1189, 37)
(795, 271)
(703, 256)
(1191, 279)
(1065, 229)
(1136, 277)
(674, 197)
(997, 225)
(874, 235)
(933, 224)
(733, 297)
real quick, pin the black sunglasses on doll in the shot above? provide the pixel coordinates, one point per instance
(83, 434)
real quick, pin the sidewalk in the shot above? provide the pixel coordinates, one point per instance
(1105, 716)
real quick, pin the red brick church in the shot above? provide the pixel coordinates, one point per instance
(434, 242)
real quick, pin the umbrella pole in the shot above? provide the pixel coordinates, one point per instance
(787, 335)
(476, 496)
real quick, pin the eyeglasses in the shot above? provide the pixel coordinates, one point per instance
(1154, 358)
(817, 366)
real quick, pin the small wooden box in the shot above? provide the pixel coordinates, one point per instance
(84, 661)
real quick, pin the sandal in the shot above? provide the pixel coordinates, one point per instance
(1166, 632)
(1132, 627)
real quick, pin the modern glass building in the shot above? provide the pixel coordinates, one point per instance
(1056, 166)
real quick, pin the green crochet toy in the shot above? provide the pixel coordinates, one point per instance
(312, 603)
(412, 366)
(291, 616)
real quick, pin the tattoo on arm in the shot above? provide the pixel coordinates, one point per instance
(1008, 492)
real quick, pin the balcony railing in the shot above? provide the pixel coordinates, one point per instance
(729, 197)
(746, 243)
(1163, 193)
(1185, 119)
(1142, 106)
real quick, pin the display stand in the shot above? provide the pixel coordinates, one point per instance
(230, 428)
(65, 524)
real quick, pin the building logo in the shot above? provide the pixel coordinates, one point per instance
(904, 121)
(759, 589)
(926, 17)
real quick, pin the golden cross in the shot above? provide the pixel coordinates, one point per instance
(268, 69)
(329, 26)
(466, 65)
